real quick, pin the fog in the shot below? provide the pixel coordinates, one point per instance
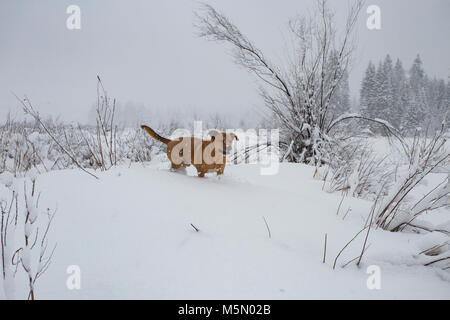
(148, 53)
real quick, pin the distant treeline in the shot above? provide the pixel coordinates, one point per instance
(407, 99)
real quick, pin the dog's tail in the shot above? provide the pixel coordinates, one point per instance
(154, 135)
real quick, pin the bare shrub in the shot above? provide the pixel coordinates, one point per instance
(31, 228)
(102, 145)
(48, 145)
(34, 240)
(356, 170)
(9, 215)
(425, 155)
(20, 148)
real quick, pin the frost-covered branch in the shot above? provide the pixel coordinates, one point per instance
(28, 108)
(299, 96)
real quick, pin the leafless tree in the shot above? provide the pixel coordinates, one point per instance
(299, 94)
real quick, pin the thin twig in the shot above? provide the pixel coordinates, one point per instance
(267, 226)
(325, 249)
(29, 110)
(335, 260)
(437, 260)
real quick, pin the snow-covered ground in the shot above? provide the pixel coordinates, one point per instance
(130, 234)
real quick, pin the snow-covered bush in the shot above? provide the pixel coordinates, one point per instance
(35, 255)
(356, 169)
(46, 145)
(8, 210)
(425, 155)
(23, 146)
(24, 233)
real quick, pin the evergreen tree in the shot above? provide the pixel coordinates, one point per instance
(340, 100)
(383, 96)
(446, 104)
(437, 94)
(400, 95)
(406, 101)
(416, 113)
(368, 92)
(387, 90)
(417, 74)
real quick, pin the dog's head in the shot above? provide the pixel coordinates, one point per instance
(224, 139)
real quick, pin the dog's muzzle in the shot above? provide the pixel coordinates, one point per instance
(227, 151)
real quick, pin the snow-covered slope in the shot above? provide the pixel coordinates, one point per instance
(130, 233)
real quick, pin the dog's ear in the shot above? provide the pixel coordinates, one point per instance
(213, 134)
(231, 137)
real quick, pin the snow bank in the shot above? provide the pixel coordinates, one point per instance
(130, 234)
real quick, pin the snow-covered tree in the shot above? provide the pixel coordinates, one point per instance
(340, 100)
(400, 94)
(368, 91)
(385, 94)
(437, 101)
(406, 101)
(416, 114)
(300, 93)
(377, 92)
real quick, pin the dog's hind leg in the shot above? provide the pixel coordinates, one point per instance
(175, 167)
(179, 168)
(200, 172)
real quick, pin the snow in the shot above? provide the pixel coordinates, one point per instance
(6, 179)
(130, 233)
(433, 239)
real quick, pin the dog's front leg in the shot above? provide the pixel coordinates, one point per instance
(201, 174)
(200, 171)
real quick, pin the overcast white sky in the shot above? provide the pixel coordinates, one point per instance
(147, 51)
